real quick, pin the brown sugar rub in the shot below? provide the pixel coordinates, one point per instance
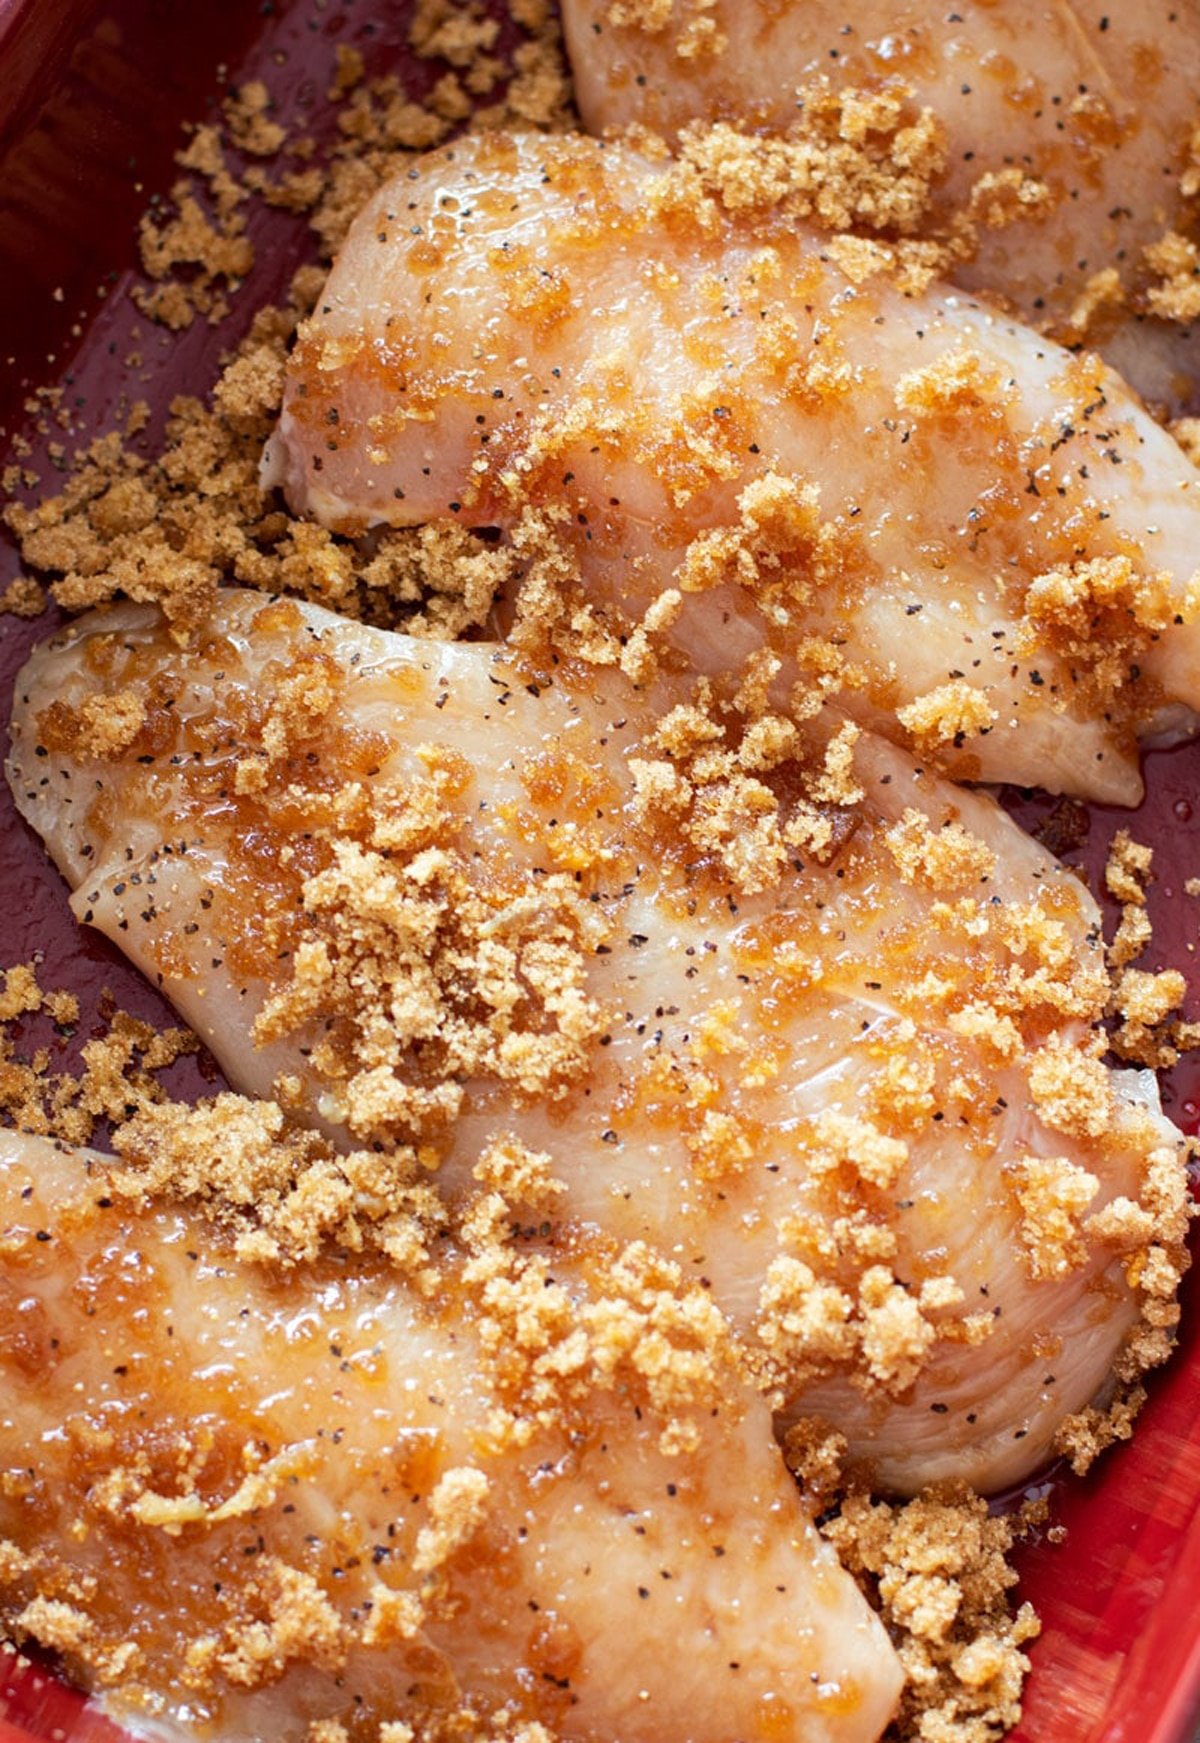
(447, 925)
(283, 1197)
(381, 1517)
(672, 387)
(172, 529)
(937, 1568)
(117, 1074)
(1066, 179)
(1148, 1033)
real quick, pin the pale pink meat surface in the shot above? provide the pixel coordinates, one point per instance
(1068, 132)
(227, 1470)
(708, 407)
(742, 1049)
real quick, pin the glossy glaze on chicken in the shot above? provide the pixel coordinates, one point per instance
(745, 432)
(864, 1103)
(1063, 168)
(318, 1473)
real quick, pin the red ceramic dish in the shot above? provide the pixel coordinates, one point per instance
(94, 98)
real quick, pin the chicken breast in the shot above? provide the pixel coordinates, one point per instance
(813, 1025)
(245, 1500)
(737, 433)
(1061, 173)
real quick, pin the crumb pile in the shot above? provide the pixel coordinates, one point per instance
(398, 944)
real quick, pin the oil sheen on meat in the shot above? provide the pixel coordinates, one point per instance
(254, 1499)
(743, 432)
(1068, 175)
(862, 1104)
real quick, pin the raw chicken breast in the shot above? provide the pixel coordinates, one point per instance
(744, 433)
(818, 1027)
(254, 1499)
(1066, 137)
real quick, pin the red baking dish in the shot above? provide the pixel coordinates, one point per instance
(95, 95)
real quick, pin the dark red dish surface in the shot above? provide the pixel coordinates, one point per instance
(93, 99)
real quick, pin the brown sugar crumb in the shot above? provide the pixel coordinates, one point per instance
(548, 1352)
(780, 549)
(457, 1508)
(291, 1620)
(1175, 262)
(215, 250)
(539, 92)
(349, 70)
(878, 1328)
(103, 727)
(460, 34)
(1144, 1001)
(735, 818)
(62, 1008)
(937, 1568)
(327, 1731)
(1053, 1193)
(1081, 1438)
(1071, 1087)
(844, 1141)
(55, 1625)
(15, 1563)
(408, 941)
(197, 250)
(650, 16)
(21, 993)
(520, 1175)
(695, 31)
(815, 1454)
(897, 1331)
(1102, 294)
(554, 616)
(949, 714)
(1151, 1234)
(281, 1194)
(1002, 197)
(1132, 936)
(959, 381)
(23, 597)
(713, 784)
(395, 1616)
(246, 116)
(803, 1324)
(1186, 432)
(446, 578)
(1101, 613)
(855, 158)
(1126, 876)
(947, 858)
(118, 1074)
(1049, 973)
(833, 782)
(1127, 871)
